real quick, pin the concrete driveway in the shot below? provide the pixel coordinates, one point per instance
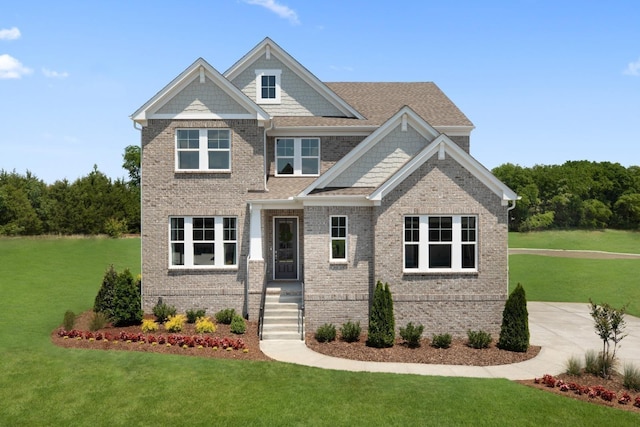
(561, 329)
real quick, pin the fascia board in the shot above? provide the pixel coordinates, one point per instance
(343, 164)
(335, 201)
(298, 68)
(459, 155)
(322, 131)
(455, 130)
(185, 78)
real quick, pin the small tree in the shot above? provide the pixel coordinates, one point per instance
(381, 321)
(609, 325)
(104, 300)
(127, 301)
(514, 333)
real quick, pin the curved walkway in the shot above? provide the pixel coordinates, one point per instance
(563, 329)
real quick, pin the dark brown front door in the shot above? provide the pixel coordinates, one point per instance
(285, 251)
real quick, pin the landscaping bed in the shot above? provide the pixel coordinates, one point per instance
(458, 354)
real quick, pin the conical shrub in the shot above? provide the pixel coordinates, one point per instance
(381, 321)
(514, 333)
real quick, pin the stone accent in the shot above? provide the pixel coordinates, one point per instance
(383, 159)
(297, 97)
(202, 98)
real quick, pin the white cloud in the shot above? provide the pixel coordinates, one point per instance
(633, 69)
(10, 34)
(11, 68)
(281, 10)
(54, 74)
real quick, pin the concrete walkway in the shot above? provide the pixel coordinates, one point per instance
(562, 329)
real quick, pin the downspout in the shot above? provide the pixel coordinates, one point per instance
(509, 209)
(264, 148)
(141, 216)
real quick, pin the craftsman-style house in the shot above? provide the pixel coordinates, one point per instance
(287, 198)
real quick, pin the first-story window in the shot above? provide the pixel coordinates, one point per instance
(203, 242)
(203, 150)
(338, 238)
(440, 243)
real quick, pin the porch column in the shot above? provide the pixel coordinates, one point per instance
(255, 232)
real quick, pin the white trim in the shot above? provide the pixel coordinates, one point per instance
(280, 54)
(322, 131)
(203, 150)
(149, 108)
(455, 130)
(344, 260)
(418, 123)
(218, 242)
(201, 116)
(297, 157)
(456, 245)
(259, 75)
(273, 246)
(341, 200)
(255, 232)
(459, 155)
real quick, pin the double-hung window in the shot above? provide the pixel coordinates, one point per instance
(203, 150)
(440, 243)
(268, 86)
(338, 238)
(297, 156)
(203, 242)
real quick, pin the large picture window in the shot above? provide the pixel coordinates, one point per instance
(440, 243)
(338, 238)
(297, 156)
(203, 242)
(203, 150)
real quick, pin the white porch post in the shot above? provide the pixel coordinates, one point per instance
(255, 232)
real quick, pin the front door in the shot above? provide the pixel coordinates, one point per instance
(285, 253)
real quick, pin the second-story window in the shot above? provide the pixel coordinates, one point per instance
(268, 86)
(297, 156)
(203, 150)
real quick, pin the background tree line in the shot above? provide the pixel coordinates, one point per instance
(93, 204)
(577, 194)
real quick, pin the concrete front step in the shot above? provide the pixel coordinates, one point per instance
(281, 311)
(281, 336)
(280, 320)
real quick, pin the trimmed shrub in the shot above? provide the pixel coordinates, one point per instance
(238, 325)
(104, 300)
(193, 315)
(441, 341)
(127, 303)
(205, 325)
(478, 339)
(163, 311)
(382, 332)
(326, 333)
(350, 332)
(514, 333)
(69, 320)
(631, 377)
(149, 325)
(98, 321)
(412, 334)
(573, 366)
(225, 316)
(175, 323)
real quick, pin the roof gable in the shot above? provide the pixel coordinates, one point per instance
(404, 118)
(270, 51)
(199, 92)
(443, 146)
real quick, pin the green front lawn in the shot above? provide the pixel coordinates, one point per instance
(46, 385)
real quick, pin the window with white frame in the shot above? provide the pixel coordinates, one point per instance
(203, 242)
(338, 238)
(203, 150)
(297, 156)
(268, 86)
(440, 243)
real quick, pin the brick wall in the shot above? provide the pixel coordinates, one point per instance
(167, 193)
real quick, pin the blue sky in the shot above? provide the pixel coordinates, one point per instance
(543, 81)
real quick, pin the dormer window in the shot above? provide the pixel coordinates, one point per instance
(268, 86)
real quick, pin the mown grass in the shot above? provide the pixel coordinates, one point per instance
(46, 385)
(604, 240)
